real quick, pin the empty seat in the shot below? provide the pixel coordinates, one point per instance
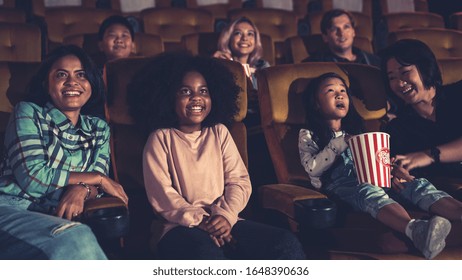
(456, 20)
(451, 69)
(444, 43)
(398, 6)
(219, 9)
(299, 7)
(20, 42)
(67, 21)
(133, 8)
(172, 23)
(39, 7)
(356, 6)
(405, 20)
(12, 15)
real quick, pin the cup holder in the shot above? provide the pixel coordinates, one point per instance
(110, 222)
(317, 213)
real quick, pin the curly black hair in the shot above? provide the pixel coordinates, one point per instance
(37, 89)
(152, 91)
(352, 123)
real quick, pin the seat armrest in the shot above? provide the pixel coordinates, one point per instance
(282, 197)
(103, 202)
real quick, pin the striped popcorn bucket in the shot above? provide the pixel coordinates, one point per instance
(371, 154)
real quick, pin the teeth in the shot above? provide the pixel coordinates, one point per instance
(72, 93)
(406, 90)
(196, 108)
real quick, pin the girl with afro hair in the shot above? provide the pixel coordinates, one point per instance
(194, 176)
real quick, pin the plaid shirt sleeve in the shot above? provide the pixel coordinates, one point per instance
(28, 153)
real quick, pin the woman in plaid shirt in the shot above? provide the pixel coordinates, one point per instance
(57, 157)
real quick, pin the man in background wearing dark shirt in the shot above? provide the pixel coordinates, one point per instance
(338, 32)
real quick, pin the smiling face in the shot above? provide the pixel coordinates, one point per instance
(242, 41)
(68, 86)
(193, 102)
(333, 99)
(340, 35)
(405, 81)
(117, 42)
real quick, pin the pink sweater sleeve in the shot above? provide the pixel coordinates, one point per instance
(164, 198)
(237, 187)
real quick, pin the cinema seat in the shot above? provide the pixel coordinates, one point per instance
(409, 20)
(67, 21)
(20, 42)
(172, 23)
(445, 43)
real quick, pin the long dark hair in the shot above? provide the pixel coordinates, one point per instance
(352, 123)
(37, 90)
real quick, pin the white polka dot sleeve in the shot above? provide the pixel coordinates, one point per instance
(315, 161)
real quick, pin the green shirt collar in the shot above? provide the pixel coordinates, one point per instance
(64, 123)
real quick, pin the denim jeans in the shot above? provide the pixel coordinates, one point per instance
(254, 241)
(29, 235)
(343, 184)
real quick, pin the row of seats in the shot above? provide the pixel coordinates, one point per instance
(220, 7)
(282, 115)
(15, 38)
(280, 25)
(274, 22)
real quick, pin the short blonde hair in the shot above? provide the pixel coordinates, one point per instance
(225, 36)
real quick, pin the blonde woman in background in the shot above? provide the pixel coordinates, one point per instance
(240, 41)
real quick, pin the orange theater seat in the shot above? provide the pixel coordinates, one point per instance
(20, 42)
(407, 20)
(172, 23)
(445, 43)
(67, 21)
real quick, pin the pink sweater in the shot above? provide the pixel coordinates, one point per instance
(189, 176)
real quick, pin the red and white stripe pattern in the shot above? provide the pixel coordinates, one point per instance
(371, 154)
